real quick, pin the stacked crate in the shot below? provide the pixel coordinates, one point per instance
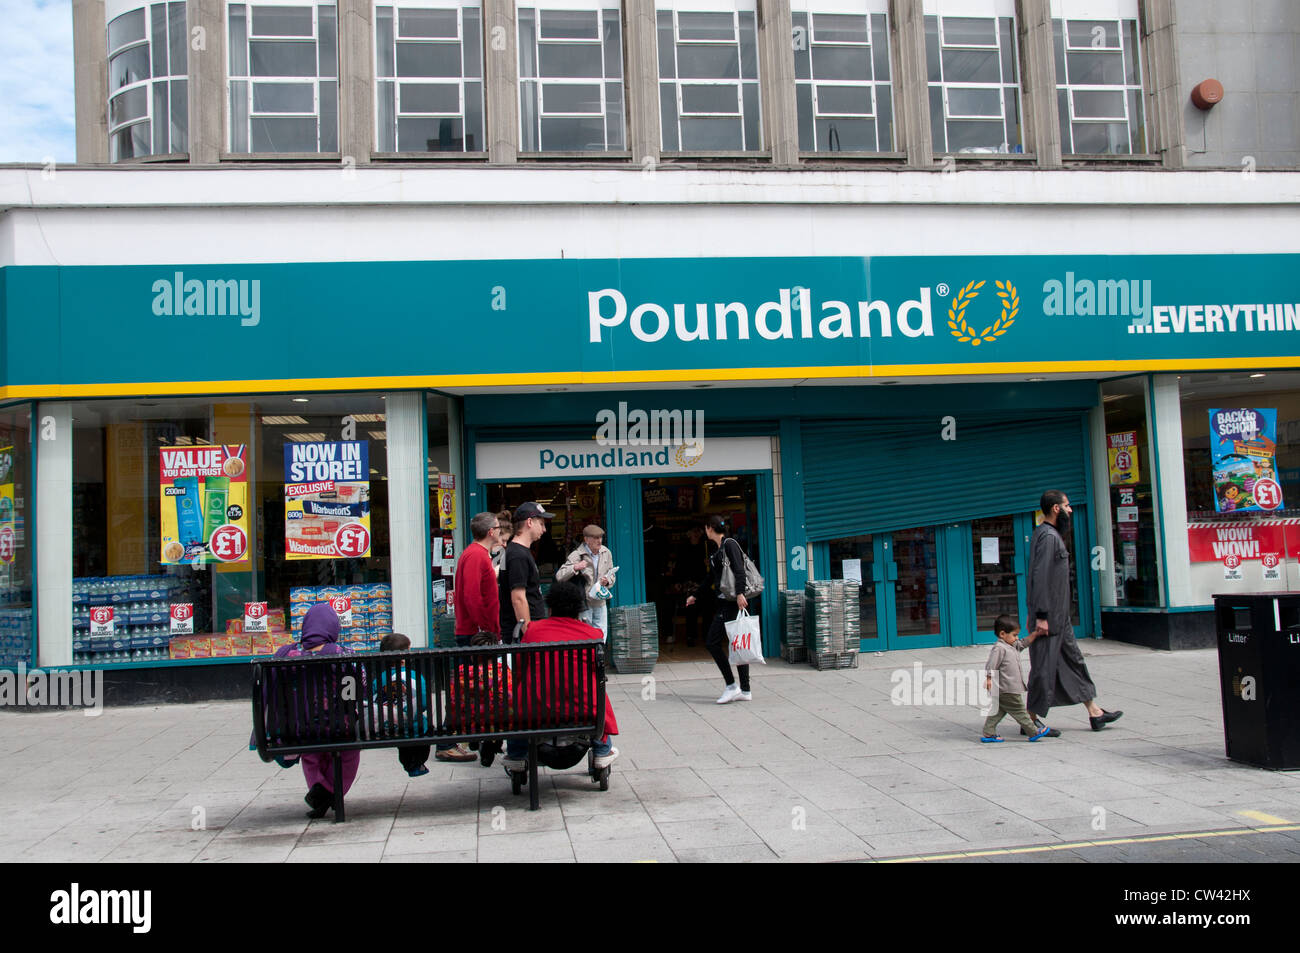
(832, 623)
(793, 648)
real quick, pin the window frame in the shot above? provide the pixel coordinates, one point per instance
(1126, 19)
(170, 81)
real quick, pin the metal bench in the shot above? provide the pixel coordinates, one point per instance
(333, 703)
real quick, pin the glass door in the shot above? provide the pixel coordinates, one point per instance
(999, 573)
(916, 589)
(856, 557)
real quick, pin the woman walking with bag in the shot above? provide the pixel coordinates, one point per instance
(728, 557)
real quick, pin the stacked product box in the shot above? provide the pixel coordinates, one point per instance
(832, 629)
(141, 617)
(15, 637)
(792, 611)
(372, 612)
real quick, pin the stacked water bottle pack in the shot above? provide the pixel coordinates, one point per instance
(832, 623)
(141, 617)
(793, 648)
(634, 638)
(15, 637)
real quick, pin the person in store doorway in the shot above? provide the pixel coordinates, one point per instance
(519, 585)
(1058, 674)
(692, 571)
(716, 641)
(505, 529)
(592, 565)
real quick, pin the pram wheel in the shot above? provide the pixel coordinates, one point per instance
(517, 780)
(599, 775)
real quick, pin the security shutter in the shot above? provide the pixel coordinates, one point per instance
(873, 476)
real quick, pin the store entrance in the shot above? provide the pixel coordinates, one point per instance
(677, 551)
(575, 503)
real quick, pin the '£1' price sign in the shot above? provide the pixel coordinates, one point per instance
(228, 543)
(352, 541)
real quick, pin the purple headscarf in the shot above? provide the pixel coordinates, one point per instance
(320, 628)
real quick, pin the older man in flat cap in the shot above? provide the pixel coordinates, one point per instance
(593, 566)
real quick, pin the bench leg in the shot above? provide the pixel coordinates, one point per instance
(338, 790)
(533, 798)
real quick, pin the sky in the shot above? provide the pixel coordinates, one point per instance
(36, 101)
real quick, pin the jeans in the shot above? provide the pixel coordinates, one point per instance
(597, 616)
(517, 748)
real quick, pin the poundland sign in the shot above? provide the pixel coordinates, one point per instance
(588, 458)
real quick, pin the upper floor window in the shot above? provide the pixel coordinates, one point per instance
(284, 90)
(148, 66)
(570, 78)
(841, 68)
(973, 76)
(708, 76)
(1098, 78)
(429, 93)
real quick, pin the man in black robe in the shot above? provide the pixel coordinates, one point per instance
(1058, 674)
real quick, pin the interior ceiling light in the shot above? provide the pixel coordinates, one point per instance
(1257, 375)
(301, 400)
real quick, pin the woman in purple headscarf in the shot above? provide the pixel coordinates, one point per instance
(320, 635)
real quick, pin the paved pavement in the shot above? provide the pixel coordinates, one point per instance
(819, 766)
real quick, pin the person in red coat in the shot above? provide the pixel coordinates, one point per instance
(477, 608)
(565, 600)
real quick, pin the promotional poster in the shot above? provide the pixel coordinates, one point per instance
(203, 504)
(1122, 455)
(1243, 447)
(327, 500)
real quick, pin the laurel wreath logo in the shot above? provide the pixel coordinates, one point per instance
(689, 454)
(957, 313)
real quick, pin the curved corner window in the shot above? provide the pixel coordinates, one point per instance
(284, 87)
(148, 69)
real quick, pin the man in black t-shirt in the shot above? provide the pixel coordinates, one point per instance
(520, 582)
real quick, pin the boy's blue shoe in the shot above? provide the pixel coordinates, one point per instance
(1043, 732)
(418, 772)
(991, 739)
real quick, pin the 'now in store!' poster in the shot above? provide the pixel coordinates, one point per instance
(1243, 446)
(204, 503)
(327, 500)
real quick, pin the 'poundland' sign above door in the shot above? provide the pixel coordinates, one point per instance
(583, 459)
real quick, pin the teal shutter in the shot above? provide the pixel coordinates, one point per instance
(873, 476)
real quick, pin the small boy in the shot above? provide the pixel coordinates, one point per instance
(1011, 681)
(397, 693)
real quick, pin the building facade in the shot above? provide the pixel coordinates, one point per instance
(880, 272)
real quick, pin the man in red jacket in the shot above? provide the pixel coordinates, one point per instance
(477, 609)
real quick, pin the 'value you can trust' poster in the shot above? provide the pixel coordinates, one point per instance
(327, 500)
(1243, 448)
(204, 504)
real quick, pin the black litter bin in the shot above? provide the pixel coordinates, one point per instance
(1259, 677)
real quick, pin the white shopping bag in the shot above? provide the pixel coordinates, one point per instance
(746, 646)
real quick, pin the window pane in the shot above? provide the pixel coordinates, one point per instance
(1063, 118)
(1008, 46)
(128, 28)
(749, 99)
(474, 117)
(1097, 34)
(384, 40)
(880, 46)
(802, 46)
(708, 62)
(613, 46)
(472, 45)
(328, 47)
(1011, 98)
(844, 100)
(130, 142)
(430, 135)
(570, 60)
(884, 119)
(974, 134)
(429, 98)
(573, 135)
(712, 135)
(559, 98)
(1132, 76)
(1137, 125)
(710, 100)
(133, 104)
(1098, 104)
(281, 58)
(180, 116)
(283, 135)
(841, 62)
(329, 117)
(128, 67)
(838, 28)
(281, 21)
(969, 31)
(427, 23)
(158, 16)
(284, 98)
(1096, 69)
(974, 102)
(748, 46)
(386, 117)
(971, 66)
(938, 129)
(238, 116)
(667, 45)
(428, 59)
(846, 135)
(1058, 44)
(932, 58)
(803, 100)
(568, 25)
(177, 38)
(614, 116)
(160, 120)
(528, 117)
(706, 26)
(668, 116)
(527, 43)
(1101, 138)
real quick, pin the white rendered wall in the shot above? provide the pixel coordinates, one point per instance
(54, 532)
(408, 518)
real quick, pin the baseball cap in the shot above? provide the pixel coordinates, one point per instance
(592, 529)
(530, 511)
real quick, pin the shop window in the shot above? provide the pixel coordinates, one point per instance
(216, 505)
(15, 540)
(429, 92)
(708, 79)
(841, 63)
(1098, 79)
(974, 79)
(445, 498)
(1132, 506)
(148, 68)
(284, 95)
(570, 79)
(1241, 462)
